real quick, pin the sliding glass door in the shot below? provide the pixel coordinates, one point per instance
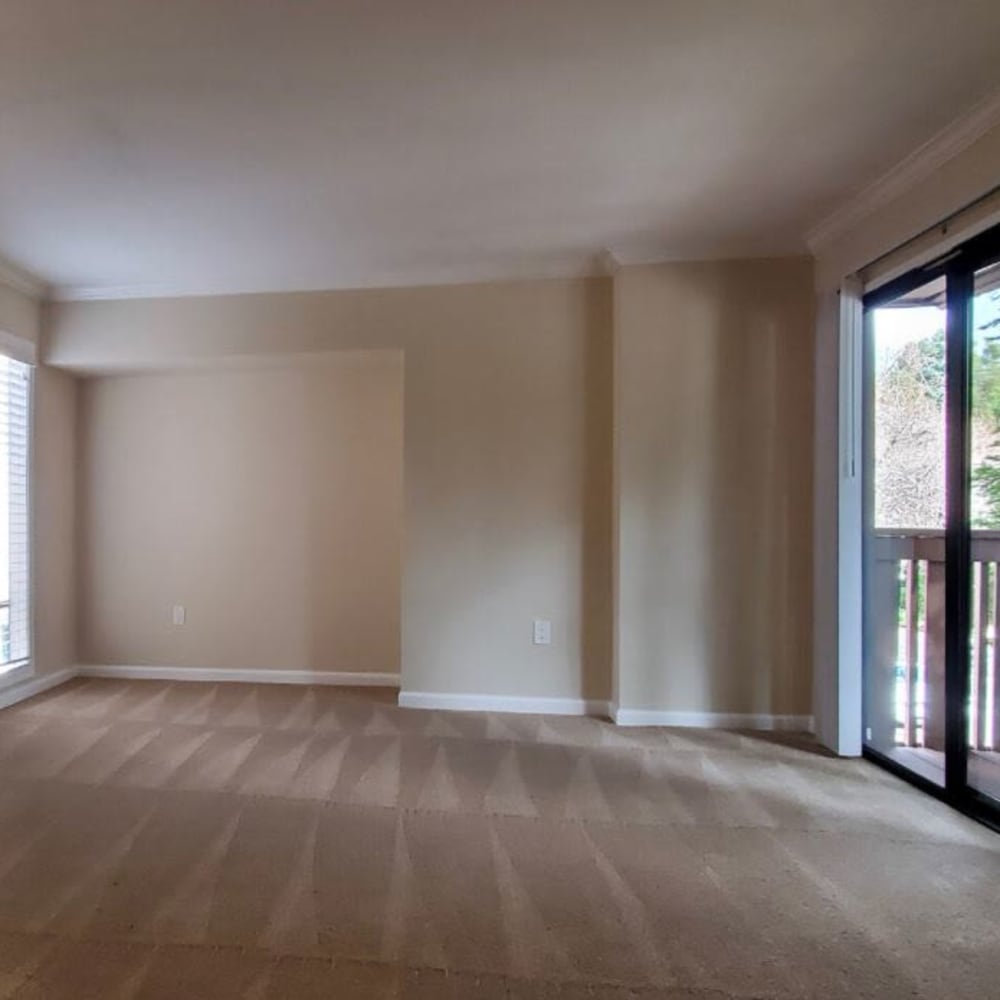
(932, 525)
(904, 550)
(982, 710)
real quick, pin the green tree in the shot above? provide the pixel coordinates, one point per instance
(909, 436)
(986, 411)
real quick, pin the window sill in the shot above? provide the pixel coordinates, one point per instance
(15, 673)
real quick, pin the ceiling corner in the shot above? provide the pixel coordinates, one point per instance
(952, 140)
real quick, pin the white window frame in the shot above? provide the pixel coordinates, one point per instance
(26, 352)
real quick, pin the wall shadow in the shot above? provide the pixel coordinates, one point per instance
(596, 629)
(757, 586)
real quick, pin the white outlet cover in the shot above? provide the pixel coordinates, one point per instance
(180, 614)
(542, 632)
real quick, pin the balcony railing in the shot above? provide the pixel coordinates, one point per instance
(907, 616)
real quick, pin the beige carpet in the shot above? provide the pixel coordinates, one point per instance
(198, 840)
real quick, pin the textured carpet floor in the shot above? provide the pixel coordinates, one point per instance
(198, 840)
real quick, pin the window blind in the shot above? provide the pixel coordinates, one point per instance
(15, 564)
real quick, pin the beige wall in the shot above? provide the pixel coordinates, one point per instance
(54, 499)
(713, 424)
(507, 456)
(20, 314)
(266, 500)
(508, 469)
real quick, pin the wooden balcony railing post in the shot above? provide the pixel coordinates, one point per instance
(911, 618)
(880, 679)
(996, 660)
(934, 690)
(905, 632)
(979, 723)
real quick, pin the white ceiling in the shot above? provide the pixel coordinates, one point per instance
(186, 146)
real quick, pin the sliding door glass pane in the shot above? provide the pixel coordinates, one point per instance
(983, 731)
(5, 507)
(15, 632)
(904, 547)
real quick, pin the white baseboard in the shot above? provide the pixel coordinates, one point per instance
(34, 685)
(502, 703)
(712, 720)
(221, 675)
(17, 692)
(603, 709)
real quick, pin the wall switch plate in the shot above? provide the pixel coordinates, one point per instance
(180, 615)
(542, 632)
(868, 733)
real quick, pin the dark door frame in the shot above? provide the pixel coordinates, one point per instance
(958, 267)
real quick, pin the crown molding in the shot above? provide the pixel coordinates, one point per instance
(952, 140)
(604, 263)
(569, 266)
(22, 281)
(646, 252)
(98, 293)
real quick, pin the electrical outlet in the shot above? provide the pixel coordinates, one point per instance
(542, 632)
(180, 614)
